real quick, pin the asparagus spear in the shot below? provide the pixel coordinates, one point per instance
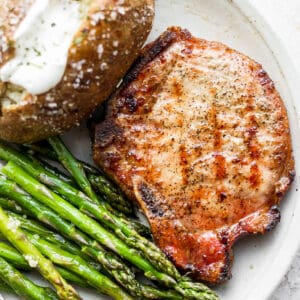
(34, 227)
(112, 264)
(119, 225)
(22, 285)
(148, 292)
(5, 288)
(9, 228)
(73, 166)
(77, 265)
(18, 261)
(76, 170)
(13, 256)
(99, 182)
(45, 151)
(187, 289)
(110, 261)
(11, 205)
(82, 221)
(34, 168)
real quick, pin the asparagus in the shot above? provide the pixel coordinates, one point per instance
(5, 288)
(82, 221)
(13, 256)
(101, 186)
(34, 227)
(110, 261)
(112, 264)
(69, 276)
(11, 205)
(44, 151)
(121, 227)
(187, 289)
(148, 292)
(76, 170)
(18, 261)
(99, 182)
(55, 171)
(22, 285)
(77, 265)
(9, 228)
(73, 166)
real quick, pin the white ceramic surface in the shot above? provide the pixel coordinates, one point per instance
(260, 262)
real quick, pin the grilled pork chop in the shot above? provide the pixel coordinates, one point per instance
(198, 136)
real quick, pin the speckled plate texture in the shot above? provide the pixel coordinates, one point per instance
(260, 262)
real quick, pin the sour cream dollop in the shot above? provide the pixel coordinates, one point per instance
(42, 43)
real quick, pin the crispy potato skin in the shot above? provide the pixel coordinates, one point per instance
(89, 78)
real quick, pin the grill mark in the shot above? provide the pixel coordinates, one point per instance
(177, 89)
(183, 155)
(255, 175)
(252, 145)
(220, 164)
(220, 161)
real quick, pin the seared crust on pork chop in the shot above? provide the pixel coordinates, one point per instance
(199, 137)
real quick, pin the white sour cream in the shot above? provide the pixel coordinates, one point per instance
(42, 42)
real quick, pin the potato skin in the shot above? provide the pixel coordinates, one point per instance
(120, 28)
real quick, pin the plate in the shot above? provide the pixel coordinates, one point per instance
(260, 262)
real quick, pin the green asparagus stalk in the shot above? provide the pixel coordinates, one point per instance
(47, 152)
(22, 285)
(40, 173)
(139, 227)
(82, 221)
(77, 265)
(148, 292)
(13, 256)
(41, 212)
(19, 262)
(35, 228)
(11, 205)
(55, 171)
(76, 170)
(110, 261)
(187, 289)
(112, 264)
(98, 181)
(119, 225)
(9, 228)
(73, 166)
(5, 288)
(100, 184)
(71, 277)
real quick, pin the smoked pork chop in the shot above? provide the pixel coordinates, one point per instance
(198, 136)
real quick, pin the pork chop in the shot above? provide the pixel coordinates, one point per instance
(199, 137)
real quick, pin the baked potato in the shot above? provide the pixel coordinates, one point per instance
(59, 59)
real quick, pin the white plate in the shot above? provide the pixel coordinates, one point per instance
(260, 262)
